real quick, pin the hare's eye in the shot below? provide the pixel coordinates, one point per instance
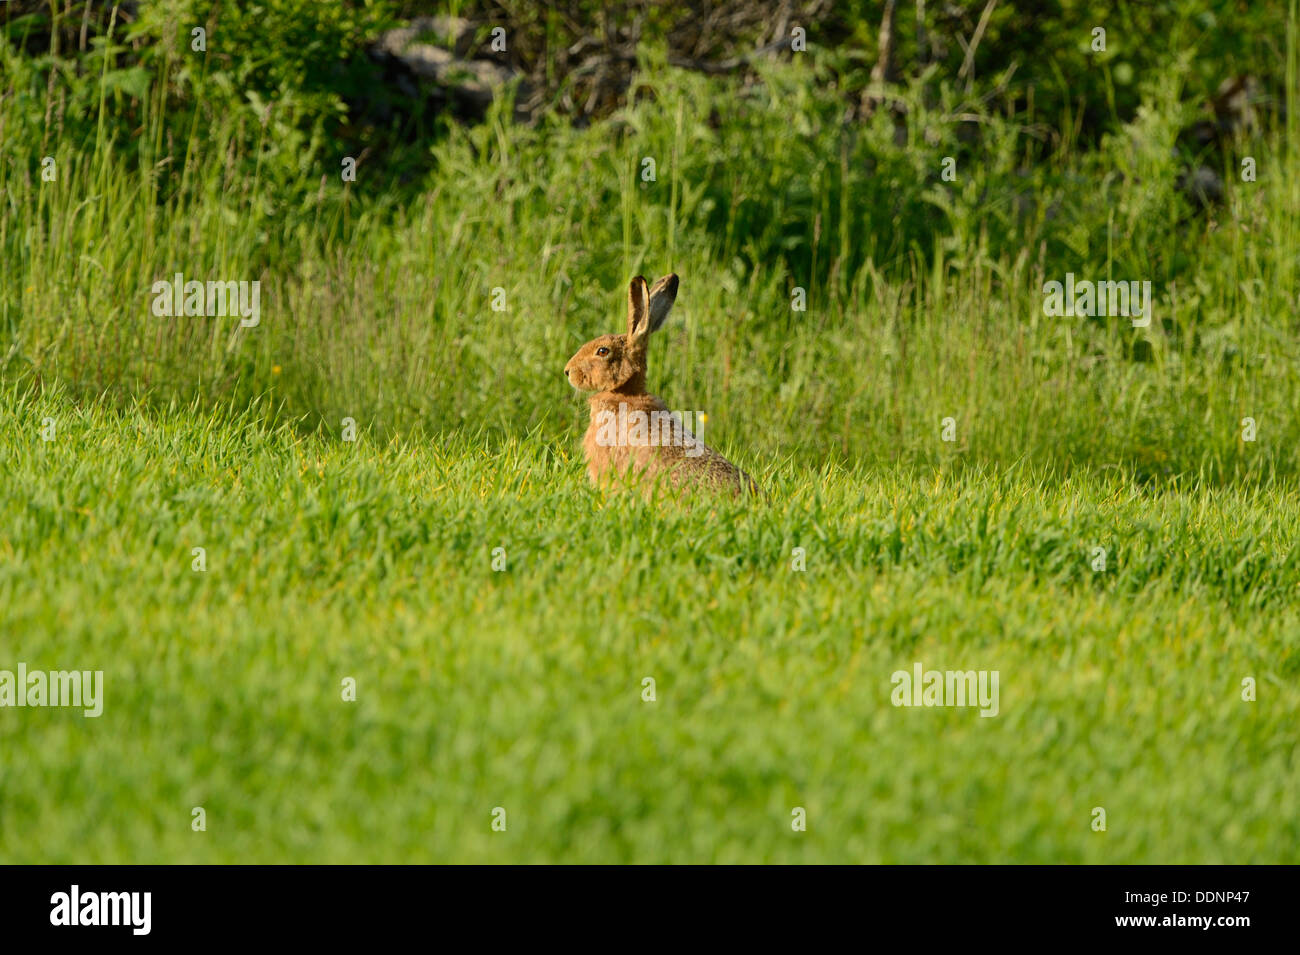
(602, 352)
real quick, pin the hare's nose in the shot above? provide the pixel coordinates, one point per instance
(566, 373)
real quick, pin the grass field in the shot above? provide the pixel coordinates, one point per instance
(1111, 528)
(522, 688)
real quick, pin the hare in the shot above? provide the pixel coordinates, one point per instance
(632, 433)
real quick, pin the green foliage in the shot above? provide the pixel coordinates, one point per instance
(1037, 59)
(266, 98)
(522, 689)
(924, 296)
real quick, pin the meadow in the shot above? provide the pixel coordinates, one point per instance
(522, 687)
(410, 610)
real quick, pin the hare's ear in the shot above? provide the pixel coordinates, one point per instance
(662, 296)
(638, 311)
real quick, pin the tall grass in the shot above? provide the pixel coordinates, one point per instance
(924, 296)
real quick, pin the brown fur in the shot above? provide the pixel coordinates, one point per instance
(618, 379)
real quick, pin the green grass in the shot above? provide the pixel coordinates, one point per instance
(522, 688)
(924, 299)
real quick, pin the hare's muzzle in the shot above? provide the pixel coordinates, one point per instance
(574, 375)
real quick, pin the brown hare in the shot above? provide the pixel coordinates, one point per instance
(632, 433)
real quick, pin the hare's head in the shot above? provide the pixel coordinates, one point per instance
(618, 362)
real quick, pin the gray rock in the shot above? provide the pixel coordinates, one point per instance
(472, 83)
